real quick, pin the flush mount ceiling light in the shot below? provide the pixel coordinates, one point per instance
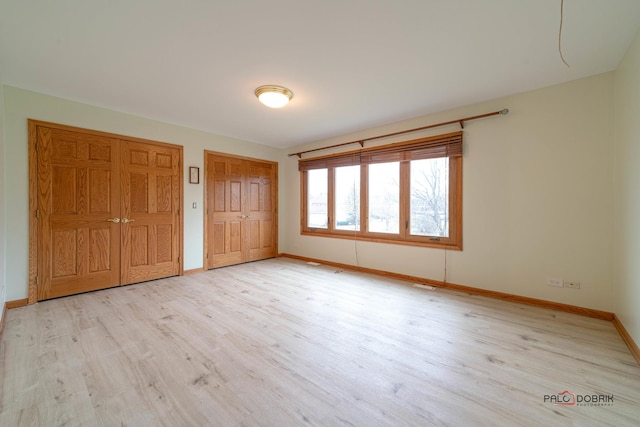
(274, 96)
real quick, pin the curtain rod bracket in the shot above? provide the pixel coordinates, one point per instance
(361, 143)
(461, 124)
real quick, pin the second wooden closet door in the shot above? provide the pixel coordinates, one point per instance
(241, 221)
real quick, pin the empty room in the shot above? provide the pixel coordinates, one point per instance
(336, 213)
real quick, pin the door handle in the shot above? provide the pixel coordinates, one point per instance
(244, 216)
(115, 220)
(126, 220)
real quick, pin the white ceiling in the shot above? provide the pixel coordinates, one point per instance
(352, 64)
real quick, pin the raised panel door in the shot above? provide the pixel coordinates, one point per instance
(261, 212)
(241, 203)
(225, 205)
(78, 198)
(150, 189)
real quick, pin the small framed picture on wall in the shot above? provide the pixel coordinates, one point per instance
(194, 175)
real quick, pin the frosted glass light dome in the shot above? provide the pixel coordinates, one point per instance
(274, 96)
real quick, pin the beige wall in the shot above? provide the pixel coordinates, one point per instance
(537, 199)
(627, 194)
(22, 104)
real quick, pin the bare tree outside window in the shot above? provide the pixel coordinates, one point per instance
(430, 197)
(384, 197)
(347, 190)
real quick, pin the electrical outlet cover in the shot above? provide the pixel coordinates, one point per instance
(572, 285)
(555, 282)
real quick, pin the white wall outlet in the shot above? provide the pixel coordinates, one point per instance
(572, 285)
(555, 282)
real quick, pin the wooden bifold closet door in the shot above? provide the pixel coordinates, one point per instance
(241, 221)
(107, 210)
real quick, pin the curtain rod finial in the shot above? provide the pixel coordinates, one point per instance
(505, 111)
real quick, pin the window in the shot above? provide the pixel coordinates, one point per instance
(429, 202)
(317, 203)
(384, 197)
(347, 198)
(407, 193)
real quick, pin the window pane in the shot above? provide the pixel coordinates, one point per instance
(430, 197)
(347, 198)
(384, 196)
(317, 194)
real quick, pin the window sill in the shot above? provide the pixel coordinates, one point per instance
(350, 235)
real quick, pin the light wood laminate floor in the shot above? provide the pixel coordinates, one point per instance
(283, 343)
